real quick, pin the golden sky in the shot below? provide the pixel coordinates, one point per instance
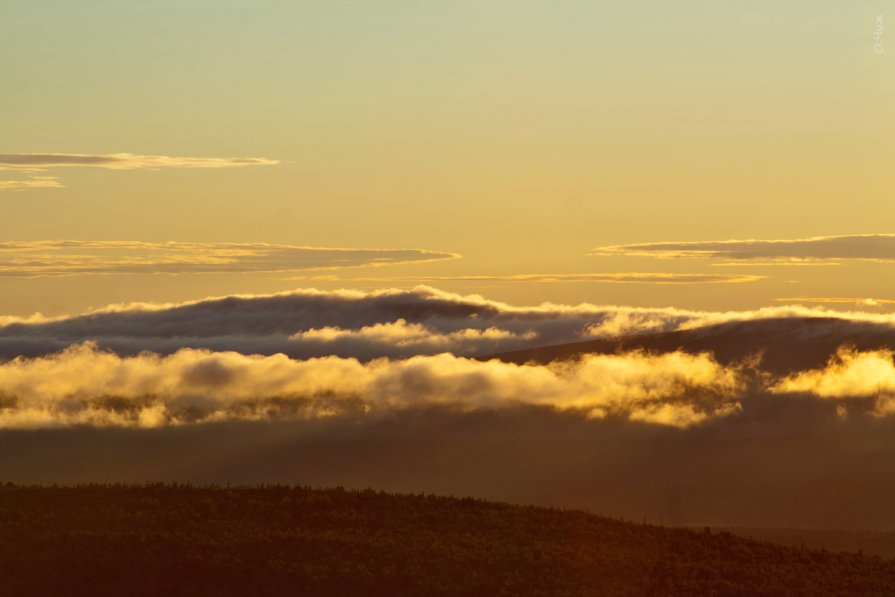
(527, 151)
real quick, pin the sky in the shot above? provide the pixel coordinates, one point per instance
(630, 256)
(525, 151)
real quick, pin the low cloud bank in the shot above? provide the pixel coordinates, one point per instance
(85, 386)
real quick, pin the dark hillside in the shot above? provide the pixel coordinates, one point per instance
(277, 540)
(881, 543)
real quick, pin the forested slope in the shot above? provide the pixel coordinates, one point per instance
(170, 540)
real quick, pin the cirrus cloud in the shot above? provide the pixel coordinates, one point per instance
(615, 277)
(36, 182)
(69, 257)
(864, 247)
(121, 161)
(837, 300)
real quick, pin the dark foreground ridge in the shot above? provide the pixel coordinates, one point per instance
(279, 540)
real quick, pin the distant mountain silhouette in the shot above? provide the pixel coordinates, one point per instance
(785, 344)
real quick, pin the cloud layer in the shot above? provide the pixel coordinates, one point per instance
(120, 161)
(65, 258)
(84, 386)
(866, 247)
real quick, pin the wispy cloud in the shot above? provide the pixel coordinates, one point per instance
(865, 247)
(65, 258)
(616, 278)
(37, 182)
(121, 161)
(42, 162)
(837, 300)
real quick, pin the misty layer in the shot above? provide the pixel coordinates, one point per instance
(85, 386)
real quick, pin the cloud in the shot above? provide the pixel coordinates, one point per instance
(65, 258)
(849, 374)
(85, 386)
(37, 182)
(861, 302)
(618, 278)
(864, 247)
(402, 339)
(120, 161)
